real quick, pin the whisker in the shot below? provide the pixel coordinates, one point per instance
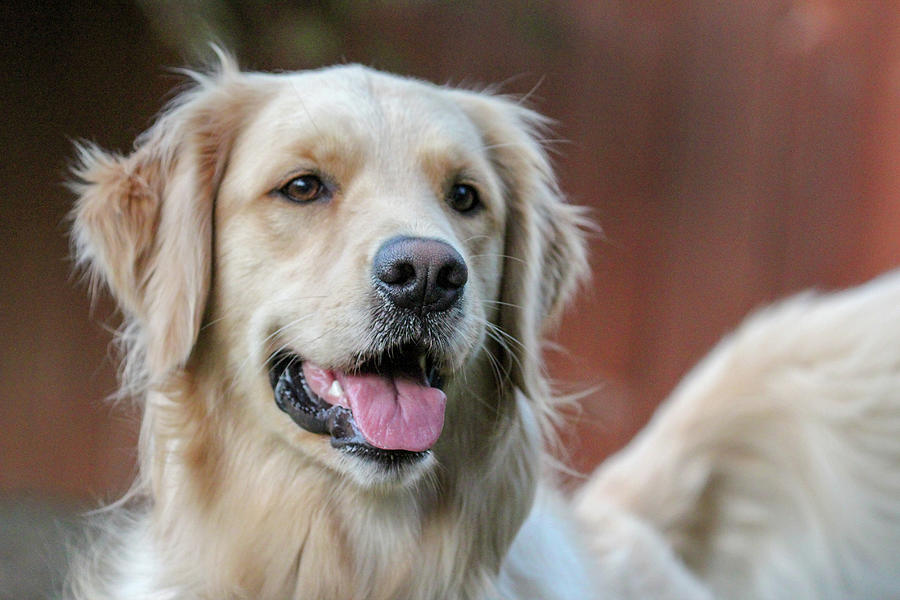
(281, 329)
(472, 238)
(244, 366)
(224, 314)
(503, 256)
(502, 303)
(309, 116)
(507, 337)
(543, 141)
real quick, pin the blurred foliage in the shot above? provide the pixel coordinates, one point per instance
(296, 34)
(307, 31)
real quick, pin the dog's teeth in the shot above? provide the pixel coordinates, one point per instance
(336, 391)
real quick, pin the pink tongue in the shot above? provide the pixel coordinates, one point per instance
(392, 413)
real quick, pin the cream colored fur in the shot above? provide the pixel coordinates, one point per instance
(214, 273)
(750, 482)
(772, 471)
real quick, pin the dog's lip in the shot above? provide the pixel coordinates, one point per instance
(293, 396)
(407, 359)
(302, 399)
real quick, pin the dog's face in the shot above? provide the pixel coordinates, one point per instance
(359, 230)
(348, 249)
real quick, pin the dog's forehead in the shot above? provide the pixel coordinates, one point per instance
(357, 104)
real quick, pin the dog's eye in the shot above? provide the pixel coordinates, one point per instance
(463, 198)
(302, 189)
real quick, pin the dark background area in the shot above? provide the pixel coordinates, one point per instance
(733, 152)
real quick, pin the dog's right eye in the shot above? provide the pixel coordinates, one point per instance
(303, 189)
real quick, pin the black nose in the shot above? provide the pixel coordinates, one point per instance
(419, 273)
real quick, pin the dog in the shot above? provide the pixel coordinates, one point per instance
(335, 285)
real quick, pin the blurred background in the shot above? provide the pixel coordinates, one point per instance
(733, 152)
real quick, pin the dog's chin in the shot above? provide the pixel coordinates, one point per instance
(380, 419)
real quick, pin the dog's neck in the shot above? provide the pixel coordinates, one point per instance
(307, 531)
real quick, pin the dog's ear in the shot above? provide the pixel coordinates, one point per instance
(545, 244)
(142, 224)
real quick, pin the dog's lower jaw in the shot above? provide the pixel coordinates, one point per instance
(275, 526)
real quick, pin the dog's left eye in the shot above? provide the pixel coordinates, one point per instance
(305, 188)
(463, 198)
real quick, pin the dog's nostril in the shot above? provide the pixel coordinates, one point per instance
(419, 273)
(397, 273)
(453, 275)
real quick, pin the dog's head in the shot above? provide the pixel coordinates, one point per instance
(346, 241)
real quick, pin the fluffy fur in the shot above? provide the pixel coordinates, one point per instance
(772, 469)
(769, 475)
(214, 272)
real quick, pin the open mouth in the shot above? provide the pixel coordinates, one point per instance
(390, 410)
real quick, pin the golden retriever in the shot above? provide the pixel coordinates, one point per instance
(334, 286)
(334, 283)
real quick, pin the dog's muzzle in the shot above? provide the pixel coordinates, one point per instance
(389, 405)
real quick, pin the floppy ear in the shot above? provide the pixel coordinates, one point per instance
(545, 253)
(142, 224)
